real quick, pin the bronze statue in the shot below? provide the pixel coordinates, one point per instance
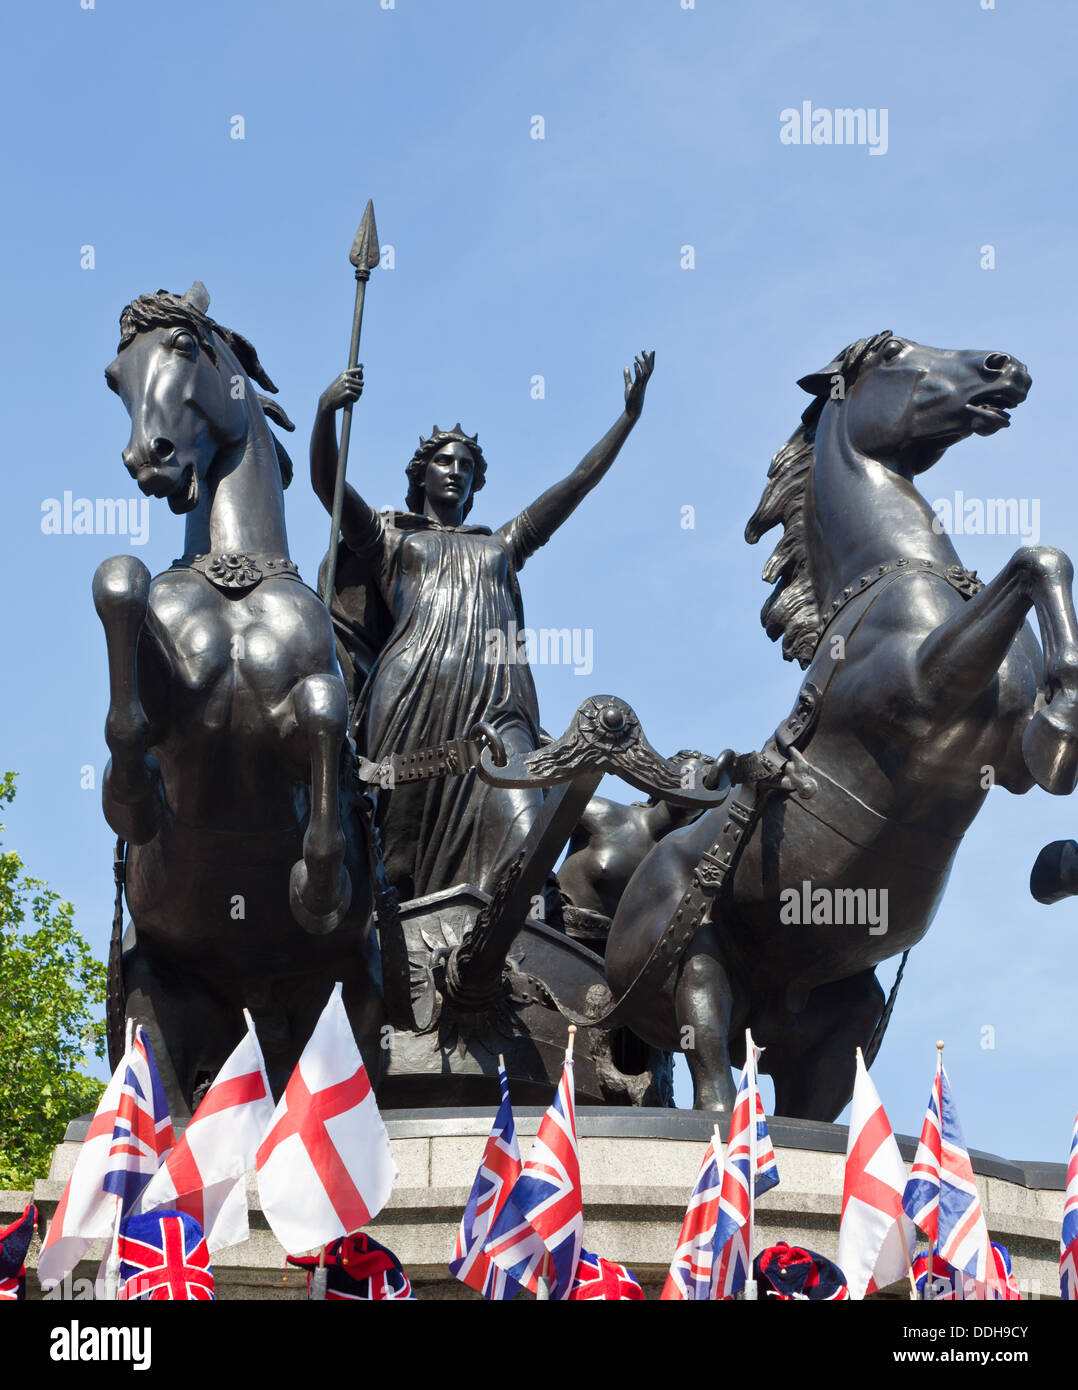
(923, 688)
(226, 726)
(450, 661)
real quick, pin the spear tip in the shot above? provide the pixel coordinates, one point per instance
(365, 250)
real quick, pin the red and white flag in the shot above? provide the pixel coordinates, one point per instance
(86, 1211)
(203, 1175)
(876, 1240)
(325, 1168)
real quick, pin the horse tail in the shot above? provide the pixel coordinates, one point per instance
(874, 1046)
(115, 994)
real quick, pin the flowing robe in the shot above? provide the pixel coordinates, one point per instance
(450, 591)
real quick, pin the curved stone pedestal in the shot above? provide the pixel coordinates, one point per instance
(638, 1168)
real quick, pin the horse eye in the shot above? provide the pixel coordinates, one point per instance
(185, 343)
(892, 349)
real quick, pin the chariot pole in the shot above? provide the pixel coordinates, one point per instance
(364, 256)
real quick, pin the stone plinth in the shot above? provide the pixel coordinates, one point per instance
(638, 1168)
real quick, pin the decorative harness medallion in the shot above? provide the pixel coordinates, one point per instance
(237, 571)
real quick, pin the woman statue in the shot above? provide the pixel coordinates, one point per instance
(450, 659)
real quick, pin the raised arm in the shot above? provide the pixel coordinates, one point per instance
(559, 502)
(356, 518)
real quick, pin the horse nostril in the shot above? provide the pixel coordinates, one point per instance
(996, 362)
(162, 448)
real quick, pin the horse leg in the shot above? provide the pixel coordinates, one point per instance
(703, 1007)
(962, 655)
(131, 790)
(320, 889)
(812, 1062)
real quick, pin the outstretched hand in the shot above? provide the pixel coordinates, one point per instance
(636, 385)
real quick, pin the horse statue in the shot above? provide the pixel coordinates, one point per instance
(247, 872)
(924, 687)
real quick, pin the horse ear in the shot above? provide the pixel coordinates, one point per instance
(819, 383)
(198, 296)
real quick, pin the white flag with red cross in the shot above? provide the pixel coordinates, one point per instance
(325, 1168)
(203, 1175)
(876, 1239)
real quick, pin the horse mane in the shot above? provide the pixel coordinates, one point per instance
(166, 310)
(792, 610)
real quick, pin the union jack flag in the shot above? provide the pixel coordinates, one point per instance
(941, 1194)
(498, 1171)
(733, 1258)
(1068, 1243)
(603, 1279)
(950, 1284)
(142, 1132)
(693, 1263)
(544, 1213)
(164, 1256)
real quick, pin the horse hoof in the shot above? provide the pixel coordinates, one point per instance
(1055, 873)
(1050, 751)
(317, 923)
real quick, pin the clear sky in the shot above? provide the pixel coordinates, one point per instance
(559, 257)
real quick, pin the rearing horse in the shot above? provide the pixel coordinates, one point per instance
(246, 884)
(923, 688)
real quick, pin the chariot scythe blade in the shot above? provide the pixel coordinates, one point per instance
(364, 255)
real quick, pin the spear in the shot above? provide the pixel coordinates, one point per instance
(364, 256)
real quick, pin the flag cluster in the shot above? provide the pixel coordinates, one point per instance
(322, 1155)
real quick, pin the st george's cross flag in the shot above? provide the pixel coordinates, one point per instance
(203, 1175)
(86, 1211)
(544, 1214)
(690, 1276)
(142, 1134)
(733, 1257)
(164, 1257)
(1068, 1243)
(876, 1240)
(498, 1171)
(325, 1168)
(941, 1194)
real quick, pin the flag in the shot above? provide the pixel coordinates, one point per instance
(498, 1171)
(603, 1279)
(325, 1168)
(941, 1194)
(164, 1256)
(733, 1258)
(1068, 1241)
(86, 1211)
(876, 1238)
(788, 1273)
(14, 1243)
(142, 1132)
(949, 1283)
(203, 1174)
(693, 1262)
(544, 1213)
(358, 1269)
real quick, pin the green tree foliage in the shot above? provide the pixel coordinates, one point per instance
(51, 990)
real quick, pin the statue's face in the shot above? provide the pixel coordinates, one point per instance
(450, 474)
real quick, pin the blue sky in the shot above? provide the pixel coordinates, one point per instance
(560, 257)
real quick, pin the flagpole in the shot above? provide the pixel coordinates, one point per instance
(112, 1268)
(930, 1277)
(750, 1062)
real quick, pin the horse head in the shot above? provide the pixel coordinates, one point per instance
(185, 381)
(906, 404)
